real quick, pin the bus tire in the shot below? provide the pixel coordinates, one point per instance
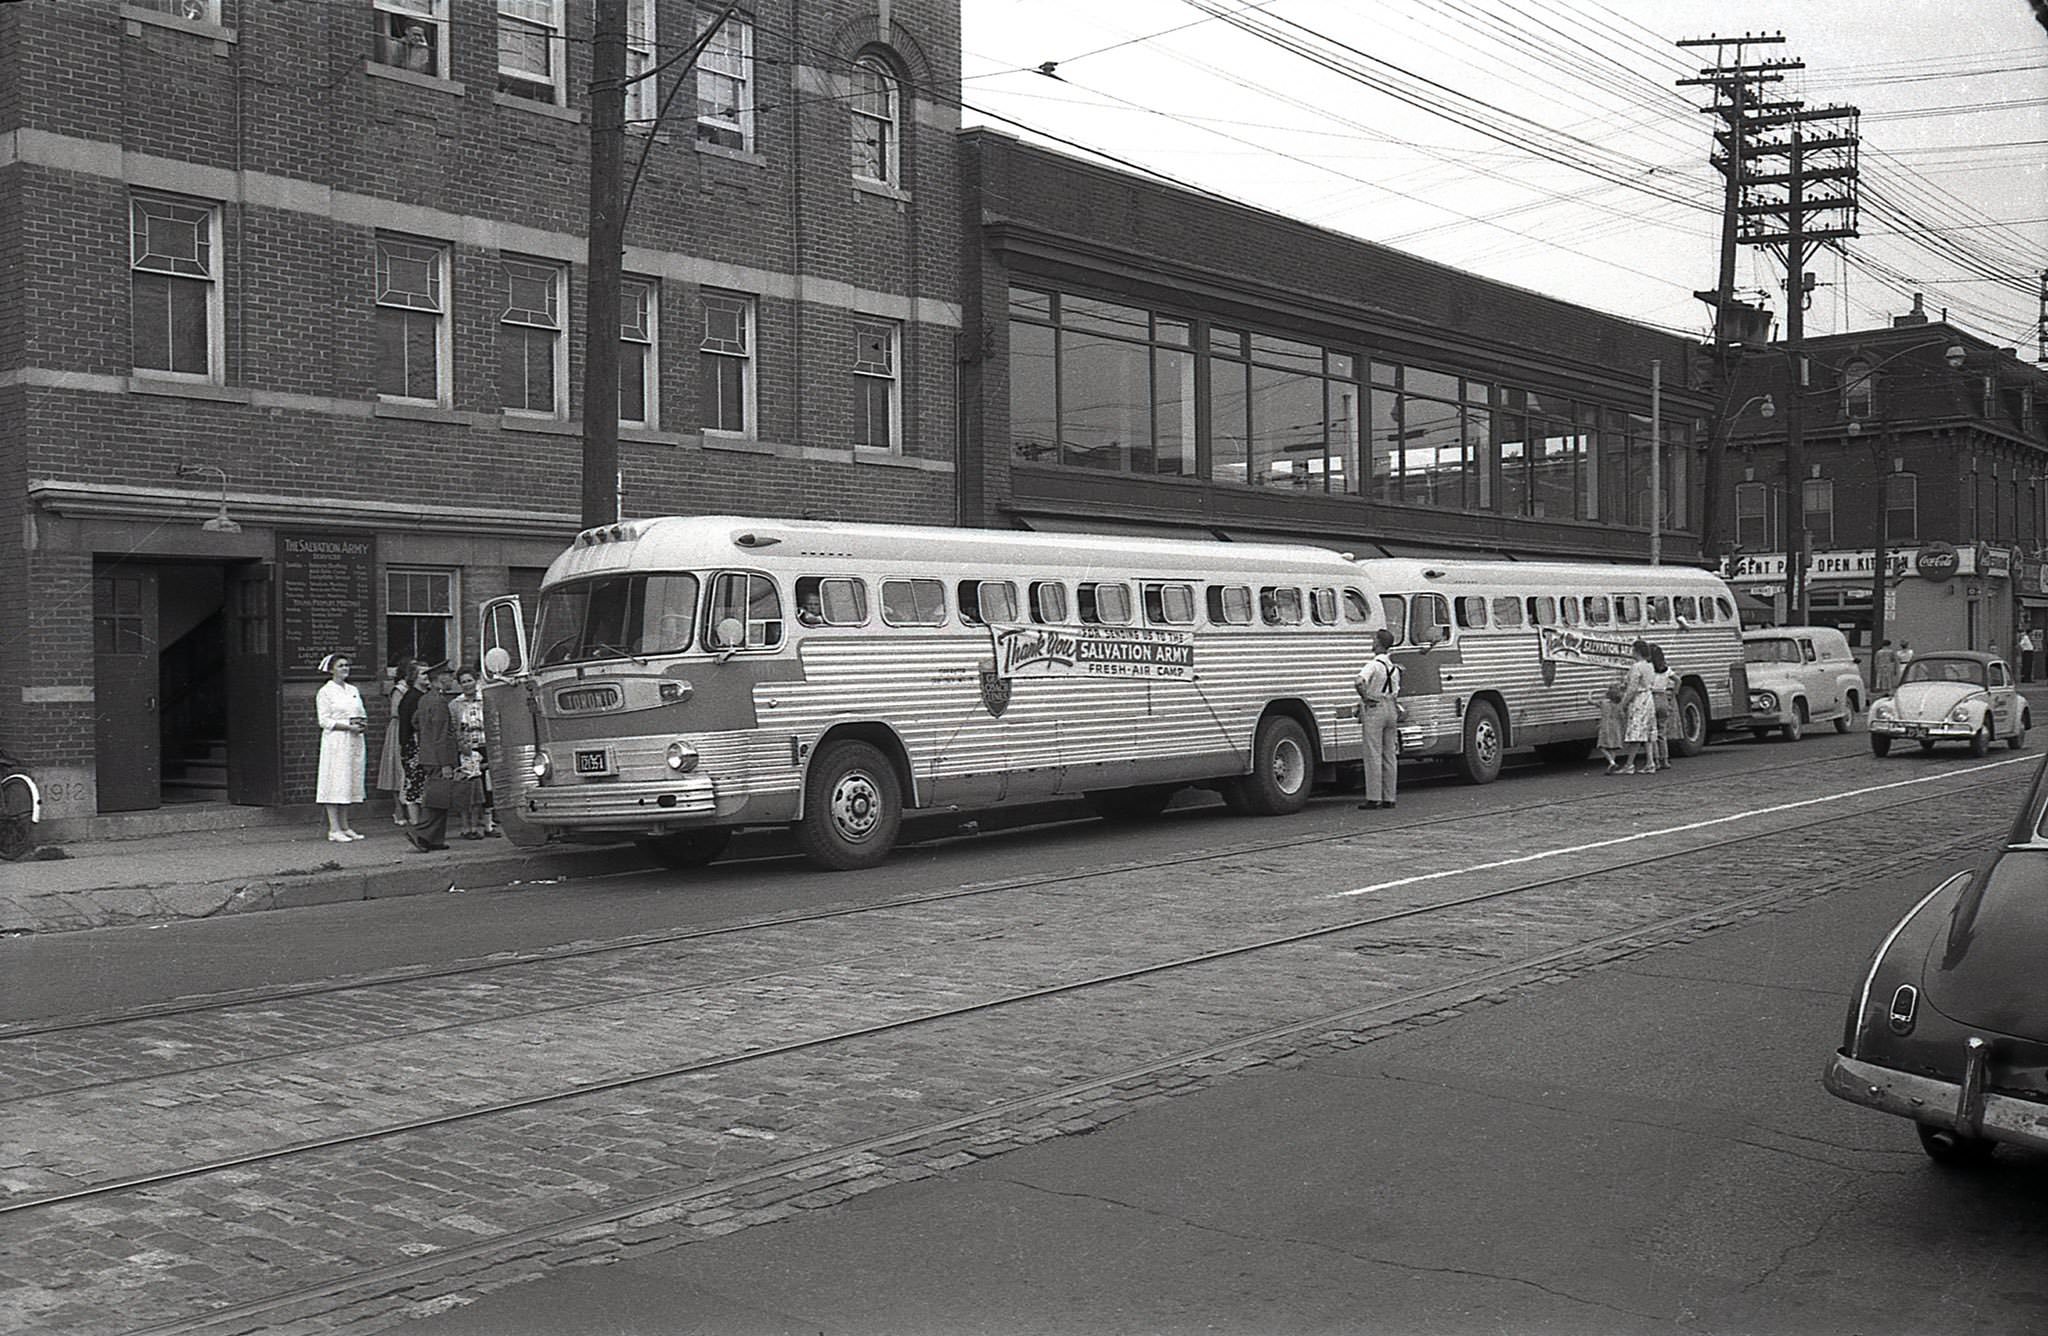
(686, 848)
(1139, 804)
(1282, 770)
(1692, 723)
(853, 807)
(1485, 744)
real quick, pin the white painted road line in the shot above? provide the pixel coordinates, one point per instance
(1680, 830)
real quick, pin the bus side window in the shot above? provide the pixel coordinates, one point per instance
(1628, 609)
(1280, 605)
(1568, 610)
(913, 603)
(1322, 606)
(1595, 609)
(1727, 609)
(985, 601)
(831, 600)
(1543, 610)
(1169, 604)
(1104, 604)
(750, 601)
(1430, 619)
(1472, 612)
(1356, 608)
(1396, 609)
(1686, 607)
(1048, 602)
(1507, 613)
(1230, 605)
(1660, 609)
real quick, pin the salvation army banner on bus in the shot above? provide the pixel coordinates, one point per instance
(1562, 645)
(1092, 651)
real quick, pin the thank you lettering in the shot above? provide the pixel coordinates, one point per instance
(1092, 651)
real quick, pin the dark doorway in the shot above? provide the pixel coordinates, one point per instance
(127, 746)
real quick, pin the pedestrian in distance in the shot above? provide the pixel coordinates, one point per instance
(414, 675)
(2027, 648)
(1639, 710)
(436, 757)
(1379, 714)
(1664, 691)
(1884, 671)
(1610, 739)
(339, 706)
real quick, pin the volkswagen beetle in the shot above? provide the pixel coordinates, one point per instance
(1950, 1027)
(1952, 696)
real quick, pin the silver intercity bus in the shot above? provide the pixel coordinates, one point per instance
(688, 676)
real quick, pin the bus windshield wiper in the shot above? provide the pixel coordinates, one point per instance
(597, 647)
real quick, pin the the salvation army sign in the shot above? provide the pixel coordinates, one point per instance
(1937, 561)
(1563, 645)
(1091, 651)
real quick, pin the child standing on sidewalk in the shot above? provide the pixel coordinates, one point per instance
(1610, 740)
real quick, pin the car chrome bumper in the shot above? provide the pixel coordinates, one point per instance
(619, 806)
(1953, 1105)
(1909, 728)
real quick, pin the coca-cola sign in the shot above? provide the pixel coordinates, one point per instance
(1936, 561)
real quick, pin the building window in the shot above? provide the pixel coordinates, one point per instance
(419, 616)
(533, 353)
(1753, 529)
(174, 287)
(726, 364)
(725, 85)
(197, 11)
(530, 49)
(643, 87)
(1859, 391)
(411, 35)
(877, 391)
(1902, 507)
(639, 379)
(412, 325)
(1817, 501)
(875, 107)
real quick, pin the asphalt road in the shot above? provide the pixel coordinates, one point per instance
(1642, 1148)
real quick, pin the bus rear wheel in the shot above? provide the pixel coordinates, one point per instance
(1692, 723)
(1485, 744)
(853, 807)
(1281, 771)
(686, 848)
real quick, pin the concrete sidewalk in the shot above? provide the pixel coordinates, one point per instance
(100, 882)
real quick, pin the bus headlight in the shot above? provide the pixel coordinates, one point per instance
(543, 766)
(682, 757)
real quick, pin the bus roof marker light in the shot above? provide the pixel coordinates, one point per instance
(750, 539)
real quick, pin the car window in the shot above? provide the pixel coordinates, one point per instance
(1806, 651)
(1967, 671)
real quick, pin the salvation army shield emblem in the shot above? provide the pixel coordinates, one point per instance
(995, 689)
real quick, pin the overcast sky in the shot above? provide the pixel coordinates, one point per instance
(1953, 94)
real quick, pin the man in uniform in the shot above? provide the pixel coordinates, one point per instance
(1378, 684)
(2027, 654)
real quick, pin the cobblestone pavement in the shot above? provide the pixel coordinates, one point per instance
(404, 1223)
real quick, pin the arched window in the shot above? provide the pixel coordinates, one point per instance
(876, 108)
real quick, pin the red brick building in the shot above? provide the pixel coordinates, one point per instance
(291, 332)
(1933, 431)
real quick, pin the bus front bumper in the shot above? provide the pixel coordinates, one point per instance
(615, 806)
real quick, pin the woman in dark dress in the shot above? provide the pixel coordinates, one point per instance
(414, 674)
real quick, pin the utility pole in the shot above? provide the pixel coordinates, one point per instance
(607, 246)
(1737, 89)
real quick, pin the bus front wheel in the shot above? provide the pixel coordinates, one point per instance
(1485, 744)
(1282, 770)
(1692, 722)
(853, 807)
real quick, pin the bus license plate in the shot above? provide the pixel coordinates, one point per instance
(597, 761)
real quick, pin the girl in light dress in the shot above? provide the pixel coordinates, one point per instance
(1610, 740)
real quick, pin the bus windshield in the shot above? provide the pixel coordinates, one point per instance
(616, 617)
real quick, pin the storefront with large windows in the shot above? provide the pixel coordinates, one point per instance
(1151, 386)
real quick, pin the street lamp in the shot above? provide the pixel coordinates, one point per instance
(220, 523)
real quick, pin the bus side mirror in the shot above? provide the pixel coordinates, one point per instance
(728, 635)
(1432, 635)
(497, 660)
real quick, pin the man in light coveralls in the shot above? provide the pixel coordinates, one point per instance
(1378, 684)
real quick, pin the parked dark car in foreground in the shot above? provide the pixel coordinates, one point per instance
(1950, 1028)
